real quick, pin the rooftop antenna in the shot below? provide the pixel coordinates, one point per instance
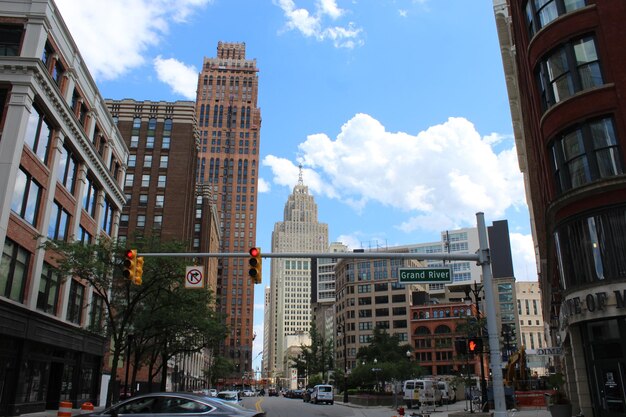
(300, 181)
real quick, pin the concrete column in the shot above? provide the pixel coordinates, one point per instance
(18, 112)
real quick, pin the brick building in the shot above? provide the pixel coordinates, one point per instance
(61, 172)
(229, 123)
(565, 67)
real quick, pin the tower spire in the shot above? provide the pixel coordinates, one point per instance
(300, 181)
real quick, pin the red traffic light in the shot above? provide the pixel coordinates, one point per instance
(130, 253)
(255, 252)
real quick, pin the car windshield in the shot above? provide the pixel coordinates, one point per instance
(325, 389)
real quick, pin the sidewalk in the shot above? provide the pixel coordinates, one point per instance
(441, 411)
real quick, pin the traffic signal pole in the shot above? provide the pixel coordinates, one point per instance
(481, 257)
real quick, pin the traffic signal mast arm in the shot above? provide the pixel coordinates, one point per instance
(346, 255)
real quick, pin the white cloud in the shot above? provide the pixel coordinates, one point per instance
(181, 78)
(440, 177)
(263, 186)
(312, 24)
(523, 251)
(110, 52)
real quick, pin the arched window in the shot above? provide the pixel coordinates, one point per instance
(441, 329)
(422, 331)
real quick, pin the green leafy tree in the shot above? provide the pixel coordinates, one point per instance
(135, 310)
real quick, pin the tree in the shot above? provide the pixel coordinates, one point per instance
(163, 318)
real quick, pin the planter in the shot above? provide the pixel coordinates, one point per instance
(560, 410)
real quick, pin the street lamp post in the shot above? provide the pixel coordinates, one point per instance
(376, 371)
(342, 329)
(483, 383)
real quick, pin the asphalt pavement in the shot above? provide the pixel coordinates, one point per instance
(449, 410)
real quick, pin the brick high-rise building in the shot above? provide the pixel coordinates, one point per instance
(162, 197)
(229, 123)
(565, 67)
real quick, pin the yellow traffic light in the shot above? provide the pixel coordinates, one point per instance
(138, 271)
(130, 264)
(255, 265)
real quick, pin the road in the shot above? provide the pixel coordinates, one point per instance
(288, 407)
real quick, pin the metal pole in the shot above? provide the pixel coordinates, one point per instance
(345, 367)
(492, 328)
(483, 384)
(129, 340)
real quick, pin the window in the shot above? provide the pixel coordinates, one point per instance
(141, 220)
(150, 142)
(130, 178)
(89, 199)
(48, 297)
(166, 143)
(124, 220)
(75, 302)
(10, 38)
(13, 269)
(161, 182)
(163, 161)
(147, 161)
(145, 180)
(586, 153)
(160, 200)
(38, 134)
(539, 13)
(96, 314)
(570, 68)
(26, 195)
(143, 199)
(107, 217)
(134, 141)
(132, 160)
(59, 222)
(84, 236)
(67, 169)
(158, 221)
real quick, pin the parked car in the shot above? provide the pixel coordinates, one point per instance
(272, 392)
(306, 395)
(323, 394)
(229, 396)
(248, 393)
(175, 404)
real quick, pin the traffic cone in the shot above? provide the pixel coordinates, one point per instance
(65, 409)
(87, 407)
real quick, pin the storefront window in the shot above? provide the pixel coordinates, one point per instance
(591, 248)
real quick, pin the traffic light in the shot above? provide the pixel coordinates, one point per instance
(255, 265)
(138, 271)
(133, 266)
(475, 345)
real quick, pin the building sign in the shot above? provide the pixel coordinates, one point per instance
(592, 302)
(549, 351)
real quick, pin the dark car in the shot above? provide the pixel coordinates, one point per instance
(175, 404)
(306, 395)
(272, 392)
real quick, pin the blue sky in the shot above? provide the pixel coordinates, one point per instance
(397, 109)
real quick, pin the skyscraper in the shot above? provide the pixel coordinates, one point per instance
(229, 122)
(290, 298)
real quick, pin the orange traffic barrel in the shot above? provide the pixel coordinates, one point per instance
(65, 409)
(87, 407)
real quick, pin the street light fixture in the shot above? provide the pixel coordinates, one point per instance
(341, 329)
(483, 383)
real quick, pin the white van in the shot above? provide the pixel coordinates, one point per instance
(448, 395)
(323, 394)
(421, 391)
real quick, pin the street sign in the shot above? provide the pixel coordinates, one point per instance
(194, 277)
(547, 351)
(441, 275)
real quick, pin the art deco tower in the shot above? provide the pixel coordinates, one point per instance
(229, 122)
(290, 298)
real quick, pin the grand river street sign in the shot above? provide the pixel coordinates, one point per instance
(425, 275)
